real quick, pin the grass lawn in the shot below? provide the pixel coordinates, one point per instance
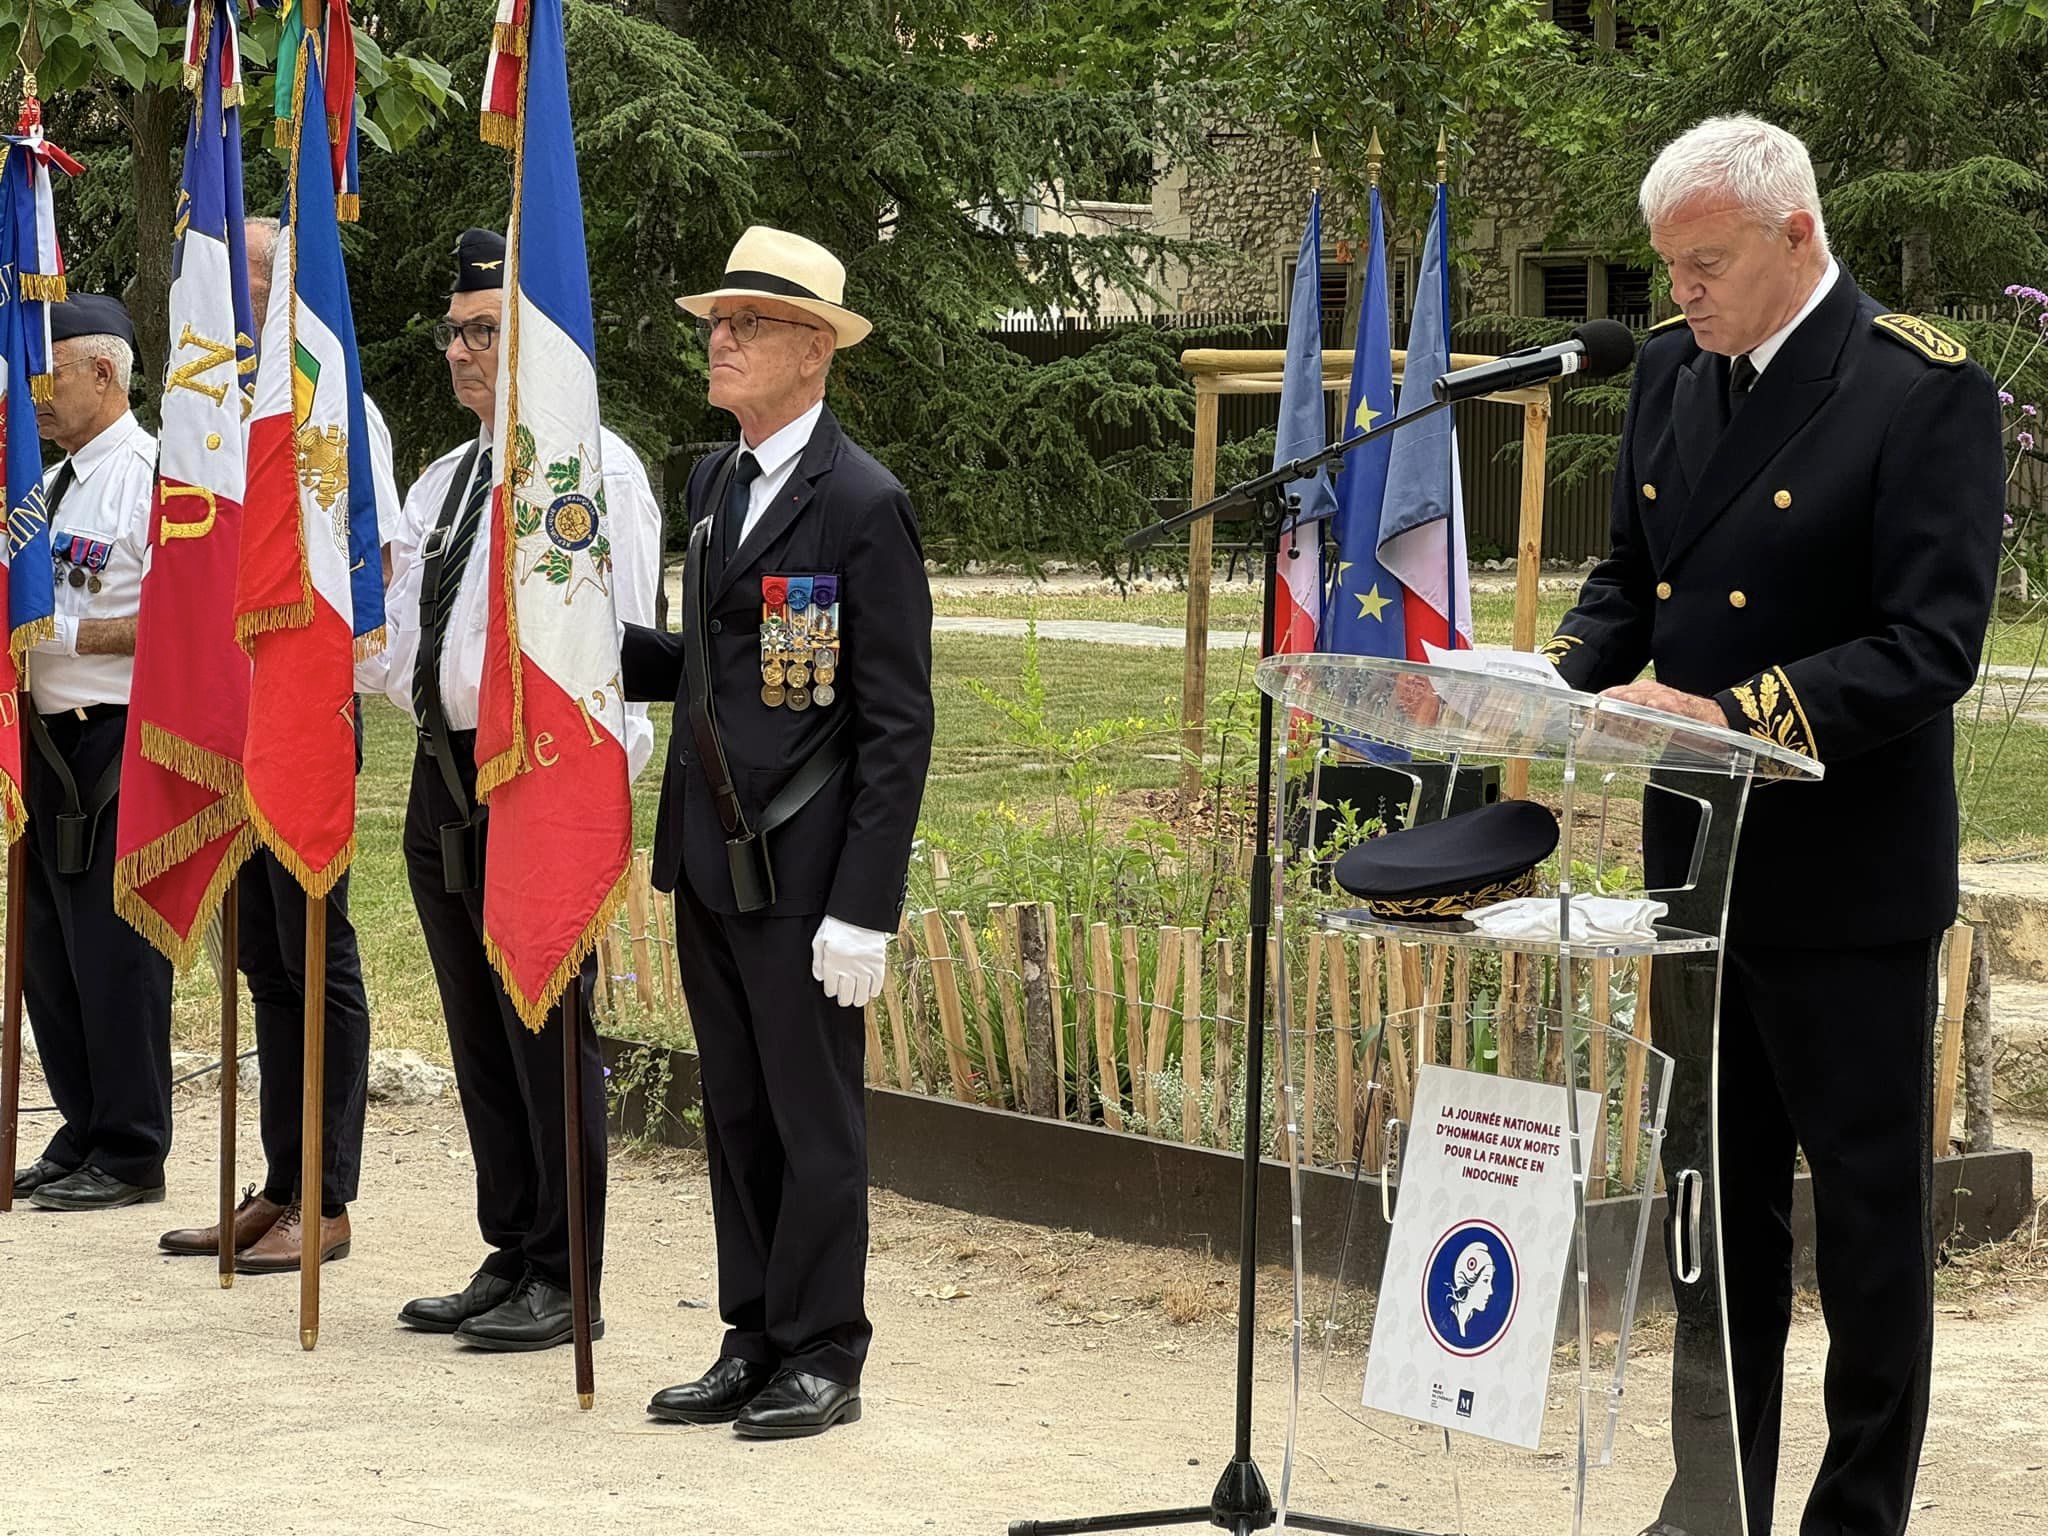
(978, 763)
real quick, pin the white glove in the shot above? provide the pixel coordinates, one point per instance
(848, 962)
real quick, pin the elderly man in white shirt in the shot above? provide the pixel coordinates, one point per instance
(508, 1078)
(98, 993)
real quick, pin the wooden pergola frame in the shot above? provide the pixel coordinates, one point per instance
(1219, 372)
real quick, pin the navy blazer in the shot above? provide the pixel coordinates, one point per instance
(1824, 566)
(847, 852)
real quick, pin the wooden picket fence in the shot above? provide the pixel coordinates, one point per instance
(1142, 1029)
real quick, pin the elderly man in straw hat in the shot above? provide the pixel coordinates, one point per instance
(803, 729)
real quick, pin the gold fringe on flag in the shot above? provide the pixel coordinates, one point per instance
(371, 644)
(282, 127)
(42, 388)
(279, 616)
(195, 76)
(348, 207)
(44, 287)
(533, 1011)
(499, 130)
(316, 882)
(209, 770)
(27, 638)
(233, 96)
(182, 949)
(506, 37)
(13, 814)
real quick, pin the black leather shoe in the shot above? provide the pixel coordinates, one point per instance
(445, 1314)
(38, 1173)
(796, 1404)
(716, 1397)
(89, 1189)
(537, 1315)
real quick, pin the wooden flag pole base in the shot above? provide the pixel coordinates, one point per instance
(572, 1128)
(230, 1069)
(10, 1016)
(313, 1075)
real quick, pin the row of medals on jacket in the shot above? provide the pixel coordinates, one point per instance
(799, 656)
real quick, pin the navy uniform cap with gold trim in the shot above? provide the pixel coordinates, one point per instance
(1443, 869)
(479, 260)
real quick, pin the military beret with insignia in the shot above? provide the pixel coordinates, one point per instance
(1443, 869)
(1937, 346)
(91, 314)
(479, 260)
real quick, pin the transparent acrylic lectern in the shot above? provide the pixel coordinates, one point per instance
(1624, 1401)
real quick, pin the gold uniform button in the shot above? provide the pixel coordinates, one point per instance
(1783, 499)
(1649, 491)
(1737, 600)
(1663, 589)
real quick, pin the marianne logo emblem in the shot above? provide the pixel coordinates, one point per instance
(1470, 1288)
(572, 522)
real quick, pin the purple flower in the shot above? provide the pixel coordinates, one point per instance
(2030, 410)
(2027, 441)
(2028, 295)
(2008, 519)
(2005, 397)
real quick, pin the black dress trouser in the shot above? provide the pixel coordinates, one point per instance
(785, 1125)
(271, 950)
(508, 1077)
(1826, 1052)
(98, 993)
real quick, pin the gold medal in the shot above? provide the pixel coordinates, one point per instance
(825, 669)
(799, 674)
(771, 694)
(771, 673)
(824, 693)
(799, 699)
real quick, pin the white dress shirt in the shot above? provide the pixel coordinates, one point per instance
(108, 504)
(777, 458)
(634, 525)
(1760, 355)
(390, 506)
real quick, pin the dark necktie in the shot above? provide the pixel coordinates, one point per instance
(1742, 376)
(746, 470)
(437, 604)
(66, 474)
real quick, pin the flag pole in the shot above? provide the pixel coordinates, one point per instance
(1440, 212)
(10, 1026)
(230, 1071)
(313, 1075)
(572, 1128)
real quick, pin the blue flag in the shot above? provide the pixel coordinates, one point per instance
(1422, 533)
(1303, 431)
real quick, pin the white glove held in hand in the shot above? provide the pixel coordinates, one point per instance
(848, 962)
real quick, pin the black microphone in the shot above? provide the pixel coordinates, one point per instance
(1598, 348)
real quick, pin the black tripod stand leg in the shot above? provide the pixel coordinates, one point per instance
(1146, 1519)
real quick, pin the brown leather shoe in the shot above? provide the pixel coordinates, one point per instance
(253, 1217)
(279, 1250)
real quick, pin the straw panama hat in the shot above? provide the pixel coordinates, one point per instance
(774, 264)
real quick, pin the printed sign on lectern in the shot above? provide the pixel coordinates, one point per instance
(1467, 1315)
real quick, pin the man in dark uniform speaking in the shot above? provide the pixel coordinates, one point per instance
(1805, 541)
(803, 730)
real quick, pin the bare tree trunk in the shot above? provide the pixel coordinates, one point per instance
(1979, 1051)
(1916, 272)
(154, 117)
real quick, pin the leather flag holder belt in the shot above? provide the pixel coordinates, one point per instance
(746, 846)
(462, 842)
(77, 825)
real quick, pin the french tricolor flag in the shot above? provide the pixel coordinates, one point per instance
(309, 598)
(550, 746)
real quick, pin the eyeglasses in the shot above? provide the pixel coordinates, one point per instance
(477, 335)
(746, 325)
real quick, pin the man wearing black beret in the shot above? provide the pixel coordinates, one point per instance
(509, 1078)
(98, 993)
(1805, 541)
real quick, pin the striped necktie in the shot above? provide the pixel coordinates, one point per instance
(436, 605)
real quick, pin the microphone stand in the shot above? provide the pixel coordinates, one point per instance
(1241, 1502)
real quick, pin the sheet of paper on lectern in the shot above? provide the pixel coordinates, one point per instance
(1497, 661)
(1467, 1313)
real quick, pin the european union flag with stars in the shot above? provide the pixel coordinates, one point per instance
(1363, 613)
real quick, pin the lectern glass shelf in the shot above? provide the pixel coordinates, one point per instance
(1436, 1388)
